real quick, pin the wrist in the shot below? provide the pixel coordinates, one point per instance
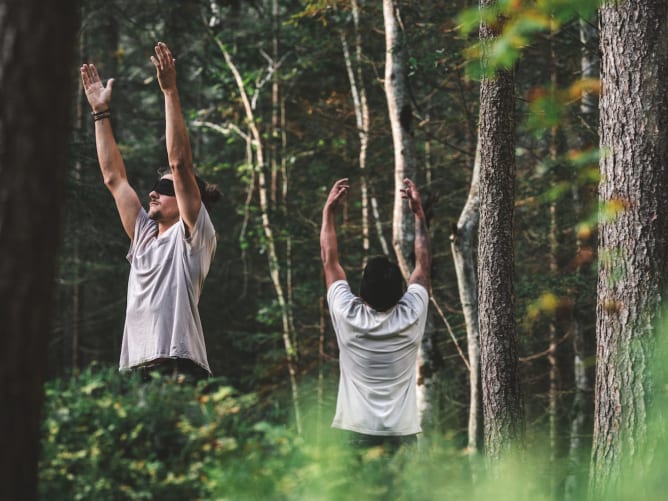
(328, 210)
(101, 115)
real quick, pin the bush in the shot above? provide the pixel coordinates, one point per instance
(109, 436)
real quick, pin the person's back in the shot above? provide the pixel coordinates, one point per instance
(377, 358)
(378, 333)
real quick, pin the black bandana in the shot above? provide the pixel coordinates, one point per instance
(164, 187)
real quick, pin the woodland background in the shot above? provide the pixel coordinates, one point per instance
(317, 143)
(269, 339)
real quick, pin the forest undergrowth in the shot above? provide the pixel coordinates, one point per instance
(107, 436)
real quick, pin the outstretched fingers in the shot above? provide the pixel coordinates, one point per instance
(163, 58)
(89, 75)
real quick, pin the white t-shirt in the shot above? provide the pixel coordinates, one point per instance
(377, 357)
(164, 286)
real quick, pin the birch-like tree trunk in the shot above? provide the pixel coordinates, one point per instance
(502, 402)
(36, 84)
(272, 255)
(355, 72)
(401, 114)
(633, 232)
(463, 244)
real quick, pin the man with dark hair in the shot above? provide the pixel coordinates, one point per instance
(172, 245)
(378, 333)
(382, 284)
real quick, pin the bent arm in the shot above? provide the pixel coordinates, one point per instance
(329, 247)
(179, 153)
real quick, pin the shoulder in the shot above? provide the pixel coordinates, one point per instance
(338, 287)
(339, 291)
(416, 296)
(203, 232)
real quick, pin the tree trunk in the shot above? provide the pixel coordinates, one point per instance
(400, 112)
(632, 231)
(463, 241)
(36, 83)
(502, 402)
(358, 93)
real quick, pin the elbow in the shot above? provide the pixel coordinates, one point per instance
(110, 181)
(177, 166)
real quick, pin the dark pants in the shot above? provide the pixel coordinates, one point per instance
(390, 443)
(175, 368)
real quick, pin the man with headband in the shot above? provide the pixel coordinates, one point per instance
(172, 245)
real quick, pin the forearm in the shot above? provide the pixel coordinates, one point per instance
(422, 250)
(108, 154)
(179, 153)
(329, 248)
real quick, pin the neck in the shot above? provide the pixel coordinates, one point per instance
(163, 226)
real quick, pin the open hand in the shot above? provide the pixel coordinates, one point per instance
(165, 66)
(337, 193)
(99, 96)
(412, 194)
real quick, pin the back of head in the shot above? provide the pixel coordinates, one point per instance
(382, 284)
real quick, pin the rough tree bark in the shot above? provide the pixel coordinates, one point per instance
(502, 402)
(633, 231)
(36, 84)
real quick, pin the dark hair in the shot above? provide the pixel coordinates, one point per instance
(382, 284)
(208, 192)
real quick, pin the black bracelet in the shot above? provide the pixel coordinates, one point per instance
(96, 113)
(101, 115)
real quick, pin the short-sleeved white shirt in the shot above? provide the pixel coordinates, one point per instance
(377, 357)
(166, 278)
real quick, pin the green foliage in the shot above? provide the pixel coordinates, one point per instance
(515, 24)
(109, 436)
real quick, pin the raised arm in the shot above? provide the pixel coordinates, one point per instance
(329, 249)
(108, 154)
(421, 273)
(179, 154)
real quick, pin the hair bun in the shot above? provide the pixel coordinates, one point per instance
(213, 194)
